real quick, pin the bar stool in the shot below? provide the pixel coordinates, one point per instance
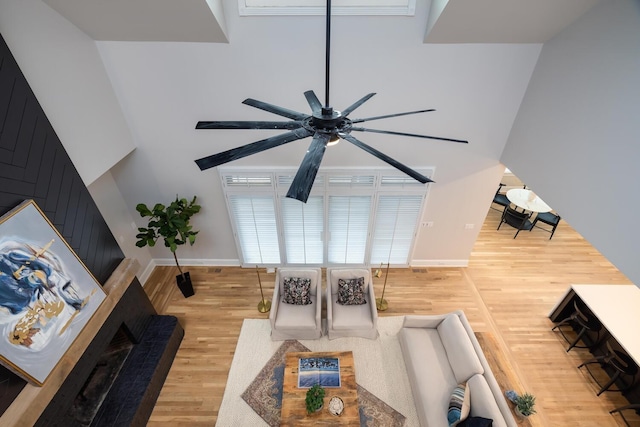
(633, 406)
(582, 320)
(615, 360)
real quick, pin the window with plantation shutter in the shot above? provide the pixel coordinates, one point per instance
(285, 180)
(352, 181)
(247, 181)
(348, 229)
(303, 227)
(256, 228)
(395, 227)
(399, 182)
(352, 217)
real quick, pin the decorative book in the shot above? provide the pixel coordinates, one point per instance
(324, 371)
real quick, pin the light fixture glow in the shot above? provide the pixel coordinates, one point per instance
(333, 141)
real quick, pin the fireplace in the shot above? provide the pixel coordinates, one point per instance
(112, 373)
(95, 389)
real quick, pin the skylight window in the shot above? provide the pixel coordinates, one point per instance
(318, 7)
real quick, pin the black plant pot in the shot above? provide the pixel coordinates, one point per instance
(184, 283)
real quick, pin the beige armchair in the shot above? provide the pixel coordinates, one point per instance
(351, 320)
(293, 321)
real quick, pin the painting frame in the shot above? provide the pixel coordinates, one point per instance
(47, 294)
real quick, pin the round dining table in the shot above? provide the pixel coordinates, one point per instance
(527, 199)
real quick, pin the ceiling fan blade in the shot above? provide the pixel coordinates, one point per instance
(313, 101)
(357, 104)
(391, 115)
(281, 111)
(396, 164)
(248, 125)
(303, 181)
(390, 132)
(253, 148)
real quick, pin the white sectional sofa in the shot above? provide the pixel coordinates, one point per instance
(440, 352)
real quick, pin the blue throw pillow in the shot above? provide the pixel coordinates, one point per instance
(458, 405)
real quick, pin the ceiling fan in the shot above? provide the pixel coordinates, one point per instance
(326, 125)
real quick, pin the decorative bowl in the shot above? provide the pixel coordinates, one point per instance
(336, 405)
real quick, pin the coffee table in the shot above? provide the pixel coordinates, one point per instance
(294, 411)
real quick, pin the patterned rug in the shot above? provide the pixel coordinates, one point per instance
(264, 394)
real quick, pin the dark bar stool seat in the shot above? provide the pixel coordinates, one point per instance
(582, 321)
(617, 361)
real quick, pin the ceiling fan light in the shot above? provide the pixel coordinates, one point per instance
(333, 140)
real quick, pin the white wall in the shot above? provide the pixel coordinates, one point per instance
(165, 88)
(576, 137)
(113, 207)
(64, 70)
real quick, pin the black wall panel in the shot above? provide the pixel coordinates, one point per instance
(34, 165)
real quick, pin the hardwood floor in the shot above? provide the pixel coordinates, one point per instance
(508, 289)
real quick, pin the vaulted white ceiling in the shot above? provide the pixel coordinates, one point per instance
(450, 21)
(501, 21)
(146, 20)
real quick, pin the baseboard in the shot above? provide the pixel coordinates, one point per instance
(199, 262)
(236, 263)
(440, 263)
(144, 276)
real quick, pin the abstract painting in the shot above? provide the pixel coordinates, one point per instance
(47, 295)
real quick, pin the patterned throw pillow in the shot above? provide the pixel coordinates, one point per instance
(351, 291)
(296, 291)
(458, 405)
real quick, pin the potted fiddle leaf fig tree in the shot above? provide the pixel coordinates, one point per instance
(172, 224)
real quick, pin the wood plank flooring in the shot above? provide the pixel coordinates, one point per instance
(508, 290)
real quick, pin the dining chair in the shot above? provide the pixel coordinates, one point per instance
(548, 218)
(517, 220)
(500, 199)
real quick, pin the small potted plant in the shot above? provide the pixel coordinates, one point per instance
(525, 404)
(314, 399)
(171, 223)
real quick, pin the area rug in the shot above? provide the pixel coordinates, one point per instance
(255, 376)
(264, 394)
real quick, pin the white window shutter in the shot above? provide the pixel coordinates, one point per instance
(348, 227)
(255, 221)
(303, 226)
(396, 218)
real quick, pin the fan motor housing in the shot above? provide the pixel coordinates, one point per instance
(331, 123)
